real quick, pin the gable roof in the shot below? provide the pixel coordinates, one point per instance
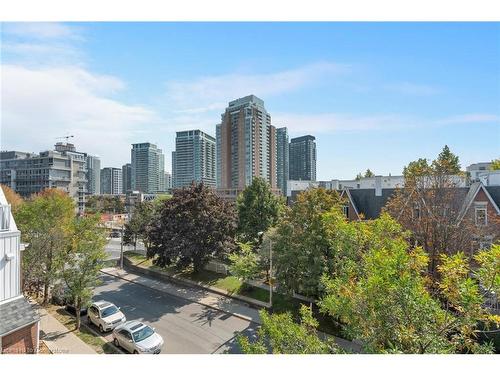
(367, 203)
(16, 313)
(349, 197)
(474, 189)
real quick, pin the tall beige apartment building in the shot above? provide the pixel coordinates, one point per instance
(246, 146)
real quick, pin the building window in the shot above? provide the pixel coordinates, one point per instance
(416, 212)
(346, 211)
(480, 216)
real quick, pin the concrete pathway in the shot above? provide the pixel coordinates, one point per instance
(58, 338)
(201, 296)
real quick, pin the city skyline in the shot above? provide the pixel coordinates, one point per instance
(117, 83)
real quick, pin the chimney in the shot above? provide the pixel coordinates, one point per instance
(378, 186)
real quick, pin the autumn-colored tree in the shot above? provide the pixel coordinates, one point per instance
(191, 228)
(495, 165)
(430, 207)
(44, 221)
(12, 197)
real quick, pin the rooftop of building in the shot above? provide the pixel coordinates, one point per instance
(245, 100)
(303, 138)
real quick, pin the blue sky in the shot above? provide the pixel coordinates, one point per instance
(375, 95)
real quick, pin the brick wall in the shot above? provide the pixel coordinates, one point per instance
(21, 341)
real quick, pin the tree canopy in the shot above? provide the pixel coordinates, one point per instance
(45, 223)
(191, 228)
(14, 199)
(258, 209)
(83, 261)
(280, 334)
(302, 249)
(383, 299)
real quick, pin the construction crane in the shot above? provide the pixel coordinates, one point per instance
(66, 137)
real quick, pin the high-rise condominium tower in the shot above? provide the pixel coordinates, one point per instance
(111, 181)
(303, 158)
(282, 158)
(246, 144)
(193, 159)
(147, 168)
(93, 175)
(126, 178)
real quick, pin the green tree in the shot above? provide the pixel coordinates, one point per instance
(383, 299)
(359, 176)
(369, 173)
(258, 209)
(446, 163)
(44, 221)
(279, 334)
(83, 261)
(495, 165)
(192, 227)
(137, 227)
(244, 263)
(302, 251)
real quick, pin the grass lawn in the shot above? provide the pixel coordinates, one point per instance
(85, 334)
(281, 303)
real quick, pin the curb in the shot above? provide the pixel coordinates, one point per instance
(252, 302)
(184, 298)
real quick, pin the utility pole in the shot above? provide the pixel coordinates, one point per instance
(121, 249)
(271, 274)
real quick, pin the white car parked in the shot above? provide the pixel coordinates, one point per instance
(137, 337)
(105, 315)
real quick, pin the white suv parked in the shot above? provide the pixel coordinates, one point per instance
(105, 315)
(137, 337)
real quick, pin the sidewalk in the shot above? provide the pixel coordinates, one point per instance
(196, 295)
(57, 337)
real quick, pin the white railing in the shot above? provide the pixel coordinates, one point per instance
(4, 217)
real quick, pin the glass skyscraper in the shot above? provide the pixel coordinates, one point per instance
(193, 159)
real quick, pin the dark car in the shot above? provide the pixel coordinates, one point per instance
(61, 297)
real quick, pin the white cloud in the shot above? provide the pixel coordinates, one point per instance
(42, 30)
(341, 122)
(213, 92)
(39, 105)
(471, 118)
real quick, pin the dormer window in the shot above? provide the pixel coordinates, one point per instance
(345, 209)
(480, 213)
(415, 213)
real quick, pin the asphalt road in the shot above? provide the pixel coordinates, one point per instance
(185, 326)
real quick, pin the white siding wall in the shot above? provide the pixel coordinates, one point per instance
(10, 270)
(10, 278)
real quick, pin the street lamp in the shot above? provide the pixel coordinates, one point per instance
(261, 234)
